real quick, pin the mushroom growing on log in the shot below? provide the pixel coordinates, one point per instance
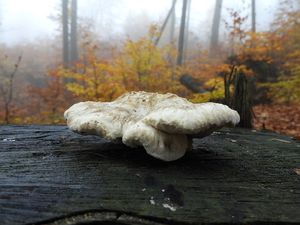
(164, 124)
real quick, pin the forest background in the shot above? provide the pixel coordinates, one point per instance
(40, 79)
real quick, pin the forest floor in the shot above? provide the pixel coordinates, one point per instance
(280, 118)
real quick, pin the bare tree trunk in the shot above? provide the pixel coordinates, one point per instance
(253, 17)
(186, 32)
(73, 35)
(65, 28)
(214, 40)
(181, 33)
(7, 92)
(173, 20)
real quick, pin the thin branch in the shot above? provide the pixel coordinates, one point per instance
(165, 23)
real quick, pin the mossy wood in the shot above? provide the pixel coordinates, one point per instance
(49, 175)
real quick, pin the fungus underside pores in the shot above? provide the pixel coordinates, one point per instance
(164, 124)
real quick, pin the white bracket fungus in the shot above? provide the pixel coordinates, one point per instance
(164, 124)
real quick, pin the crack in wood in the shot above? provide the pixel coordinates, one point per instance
(107, 217)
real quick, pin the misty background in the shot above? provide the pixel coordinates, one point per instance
(32, 20)
(33, 28)
(55, 52)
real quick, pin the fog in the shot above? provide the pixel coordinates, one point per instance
(57, 52)
(31, 20)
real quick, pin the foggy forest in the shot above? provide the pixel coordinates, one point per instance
(245, 54)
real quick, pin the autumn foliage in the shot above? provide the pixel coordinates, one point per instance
(140, 65)
(270, 58)
(48, 103)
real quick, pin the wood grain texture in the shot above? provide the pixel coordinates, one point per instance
(49, 175)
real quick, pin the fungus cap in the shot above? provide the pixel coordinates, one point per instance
(164, 124)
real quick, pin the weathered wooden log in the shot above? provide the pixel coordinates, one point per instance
(49, 175)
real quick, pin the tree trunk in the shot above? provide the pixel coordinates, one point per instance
(186, 30)
(182, 33)
(242, 97)
(65, 29)
(173, 20)
(214, 41)
(6, 113)
(8, 95)
(73, 35)
(242, 100)
(253, 16)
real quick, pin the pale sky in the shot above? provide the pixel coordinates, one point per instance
(27, 20)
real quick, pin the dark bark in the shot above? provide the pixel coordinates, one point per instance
(241, 98)
(192, 84)
(49, 175)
